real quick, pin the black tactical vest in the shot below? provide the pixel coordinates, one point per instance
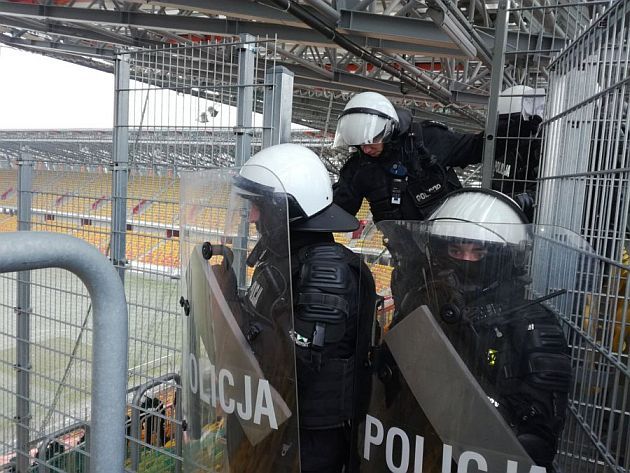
(333, 305)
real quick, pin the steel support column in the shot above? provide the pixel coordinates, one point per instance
(278, 106)
(245, 99)
(120, 165)
(243, 131)
(496, 81)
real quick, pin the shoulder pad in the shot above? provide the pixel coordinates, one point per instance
(323, 268)
(323, 292)
(434, 123)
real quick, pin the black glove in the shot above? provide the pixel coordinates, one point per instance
(526, 203)
(541, 450)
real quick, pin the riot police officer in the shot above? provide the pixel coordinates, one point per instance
(331, 290)
(403, 168)
(518, 144)
(477, 247)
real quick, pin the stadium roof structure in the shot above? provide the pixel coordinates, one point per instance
(434, 56)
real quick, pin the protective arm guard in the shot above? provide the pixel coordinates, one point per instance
(322, 292)
(538, 404)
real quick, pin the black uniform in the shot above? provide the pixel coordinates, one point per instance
(333, 305)
(520, 358)
(517, 152)
(413, 173)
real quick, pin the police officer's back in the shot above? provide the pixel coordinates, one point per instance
(332, 293)
(403, 168)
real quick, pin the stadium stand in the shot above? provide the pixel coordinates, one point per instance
(79, 203)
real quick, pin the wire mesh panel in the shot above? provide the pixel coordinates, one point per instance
(185, 107)
(536, 32)
(583, 185)
(7, 374)
(183, 115)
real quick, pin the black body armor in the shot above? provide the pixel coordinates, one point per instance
(333, 306)
(520, 358)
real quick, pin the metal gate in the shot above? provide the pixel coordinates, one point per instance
(583, 185)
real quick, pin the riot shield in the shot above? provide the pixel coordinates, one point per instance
(238, 374)
(474, 340)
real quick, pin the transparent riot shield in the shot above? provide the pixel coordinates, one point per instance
(238, 367)
(472, 368)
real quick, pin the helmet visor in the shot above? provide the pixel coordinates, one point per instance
(356, 129)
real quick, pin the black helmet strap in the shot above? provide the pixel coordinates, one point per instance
(365, 110)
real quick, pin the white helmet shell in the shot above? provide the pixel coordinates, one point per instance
(367, 118)
(304, 177)
(481, 215)
(522, 99)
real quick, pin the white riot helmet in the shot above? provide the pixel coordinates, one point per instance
(367, 118)
(522, 99)
(296, 172)
(480, 214)
(481, 234)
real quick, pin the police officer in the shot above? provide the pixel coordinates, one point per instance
(331, 290)
(477, 247)
(518, 144)
(403, 168)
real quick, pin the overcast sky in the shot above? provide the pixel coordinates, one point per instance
(39, 92)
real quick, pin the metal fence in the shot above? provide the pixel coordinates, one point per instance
(174, 114)
(178, 109)
(584, 186)
(529, 34)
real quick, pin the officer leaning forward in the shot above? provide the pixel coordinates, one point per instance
(403, 168)
(333, 299)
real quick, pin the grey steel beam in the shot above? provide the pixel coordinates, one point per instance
(225, 27)
(64, 47)
(375, 25)
(346, 81)
(242, 9)
(397, 28)
(517, 41)
(243, 131)
(91, 34)
(399, 34)
(23, 251)
(300, 60)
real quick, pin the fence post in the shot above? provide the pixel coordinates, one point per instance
(277, 107)
(496, 81)
(23, 320)
(244, 99)
(243, 131)
(120, 165)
